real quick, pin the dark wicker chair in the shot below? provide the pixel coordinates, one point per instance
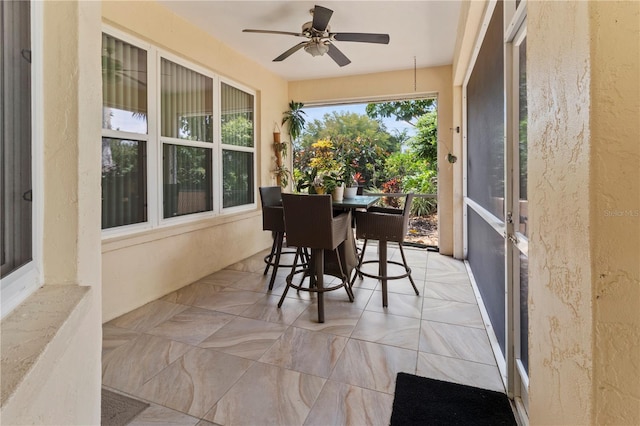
(273, 220)
(385, 225)
(309, 223)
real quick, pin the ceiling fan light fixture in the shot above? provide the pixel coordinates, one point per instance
(316, 49)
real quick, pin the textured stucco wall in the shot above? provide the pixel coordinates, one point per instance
(584, 180)
(140, 268)
(390, 85)
(615, 210)
(560, 194)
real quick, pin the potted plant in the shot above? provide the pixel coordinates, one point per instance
(351, 189)
(334, 183)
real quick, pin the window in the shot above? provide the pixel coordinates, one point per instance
(18, 255)
(187, 136)
(237, 146)
(191, 156)
(124, 124)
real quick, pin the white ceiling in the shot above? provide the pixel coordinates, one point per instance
(424, 30)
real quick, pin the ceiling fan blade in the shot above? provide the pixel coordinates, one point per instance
(362, 37)
(321, 16)
(338, 56)
(290, 52)
(273, 32)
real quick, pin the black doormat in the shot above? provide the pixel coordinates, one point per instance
(422, 401)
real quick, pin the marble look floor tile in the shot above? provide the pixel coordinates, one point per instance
(266, 309)
(254, 282)
(128, 366)
(459, 371)
(372, 365)
(148, 316)
(206, 423)
(388, 329)
(306, 352)
(192, 325)
(277, 397)
(454, 292)
(406, 305)
(364, 283)
(448, 277)
(246, 338)
(342, 404)
(157, 415)
(195, 292)
(339, 297)
(416, 256)
(230, 301)
(444, 263)
(113, 337)
(196, 381)
(451, 312)
(457, 341)
(229, 275)
(339, 318)
(254, 263)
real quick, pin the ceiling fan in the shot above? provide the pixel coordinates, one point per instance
(320, 38)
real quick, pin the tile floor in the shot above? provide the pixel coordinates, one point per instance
(220, 352)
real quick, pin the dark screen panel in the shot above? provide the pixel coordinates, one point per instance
(485, 121)
(486, 257)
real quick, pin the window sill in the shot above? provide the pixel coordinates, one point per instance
(149, 235)
(39, 330)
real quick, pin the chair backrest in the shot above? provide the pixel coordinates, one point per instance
(272, 213)
(309, 221)
(406, 213)
(270, 196)
(383, 223)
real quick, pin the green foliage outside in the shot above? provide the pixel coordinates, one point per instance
(362, 144)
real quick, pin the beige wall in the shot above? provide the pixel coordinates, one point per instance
(582, 70)
(615, 210)
(140, 268)
(51, 344)
(390, 85)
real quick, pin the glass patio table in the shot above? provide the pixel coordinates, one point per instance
(358, 202)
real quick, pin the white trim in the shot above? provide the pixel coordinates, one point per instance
(515, 25)
(25, 280)
(465, 172)
(37, 135)
(126, 37)
(495, 222)
(118, 134)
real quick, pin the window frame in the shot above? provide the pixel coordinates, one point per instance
(22, 282)
(237, 148)
(161, 54)
(145, 137)
(155, 142)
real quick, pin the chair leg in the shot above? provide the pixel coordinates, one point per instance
(382, 268)
(273, 250)
(364, 247)
(406, 267)
(279, 238)
(290, 277)
(318, 258)
(345, 279)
